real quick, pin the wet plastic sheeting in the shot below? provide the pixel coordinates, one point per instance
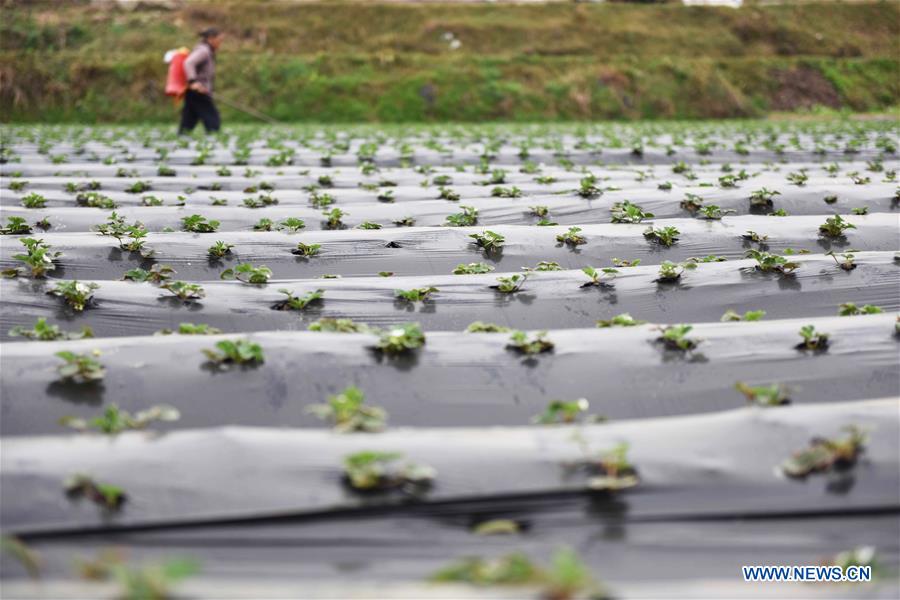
(455, 379)
(712, 465)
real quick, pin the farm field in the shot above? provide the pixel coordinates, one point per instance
(449, 361)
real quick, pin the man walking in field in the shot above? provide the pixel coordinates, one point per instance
(200, 71)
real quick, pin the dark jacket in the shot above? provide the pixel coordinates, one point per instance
(200, 66)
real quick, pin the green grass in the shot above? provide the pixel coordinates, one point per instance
(390, 63)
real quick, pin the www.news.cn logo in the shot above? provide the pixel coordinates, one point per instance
(807, 573)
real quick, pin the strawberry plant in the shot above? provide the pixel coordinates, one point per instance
(34, 200)
(199, 224)
(77, 294)
(849, 309)
(511, 284)
(665, 236)
(80, 368)
(15, 226)
(306, 250)
(293, 302)
(588, 187)
(835, 227)
(46, 332)
(184, 291)
(691, 203)
(712, 212)
(400, 339)
(264, 224)
(756, 238)
(157, 274)
(608, 471)
(825, 454)
(524, 343)
(768, 263)
(472, 268)
(626, 212)
(370, 471)
(482, 327)
(38, 258)
(572, 237)
(416, 294)
(334, 218)
(539, 211)
(545, 265)
(95, 200)
(763, 198)
(812, 340)
(191, 329)
(765, 395)
(247, 273)
(624, 263)
(108, 496)
(490, 241)
(404, 222)
(595, 275)
(349, 412)
(675, 337)
(219, 250)
(798, 178)
(235, 352)
(145, 582)
(115, 420)
(369, 225)
(847, 262)
(562, 411)
(621, 320)
(446, 193)
(467, 218)
(750, 315)
(506, 192)
(669, 271)
(339, 326)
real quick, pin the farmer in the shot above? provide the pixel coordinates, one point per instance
(200, 70)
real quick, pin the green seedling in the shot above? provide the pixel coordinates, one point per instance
(260, 201)
(490, 241)
(506, 192)
(847, 262)
(235, 352)
(184, 291)
(46, 332)
(608, 471)
(348, 412)
(572, 237)
(95, 200)
(446, 193)
(108, 496)
(38, 258)
(712, 212)
(157, 274)
(562, 411)
(334, 218)
(339, 326)
(15, 226)
(763, 198)
(595, 276)
(624, 263)
(156, 201)
(293, 302)
(669, 271)
(825, 454)
(812, 340)
(404, 222)
(191, 329)
(539, 211)
(77, 294)
(756, 238)
(750, 315)
(34, 200)
(626, 212)
(369, 225)
(371, 471)
(849, 309)
(514, 569)
(835, 227)
(675, 337)
(765, 395)
(115, 420)
(385, 273)
(665, 236)
(145, 582)
(199, 224)
(536, 343)
(318, 200)
(247, 273)
(691, 203)
(467, 218)
(621, 320)
(472, 268)
(545, 265)
(588, 187)
(482, 327)
(416, 294)
(497, 527)
(306, 250)
(511, 284)
(798, 178)
(138, 187)
(80, 368)
(860, 210)
(219, 250)
(400, 339)
(709, 258)
(264, 224)
(385, 196)
(768, 262)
